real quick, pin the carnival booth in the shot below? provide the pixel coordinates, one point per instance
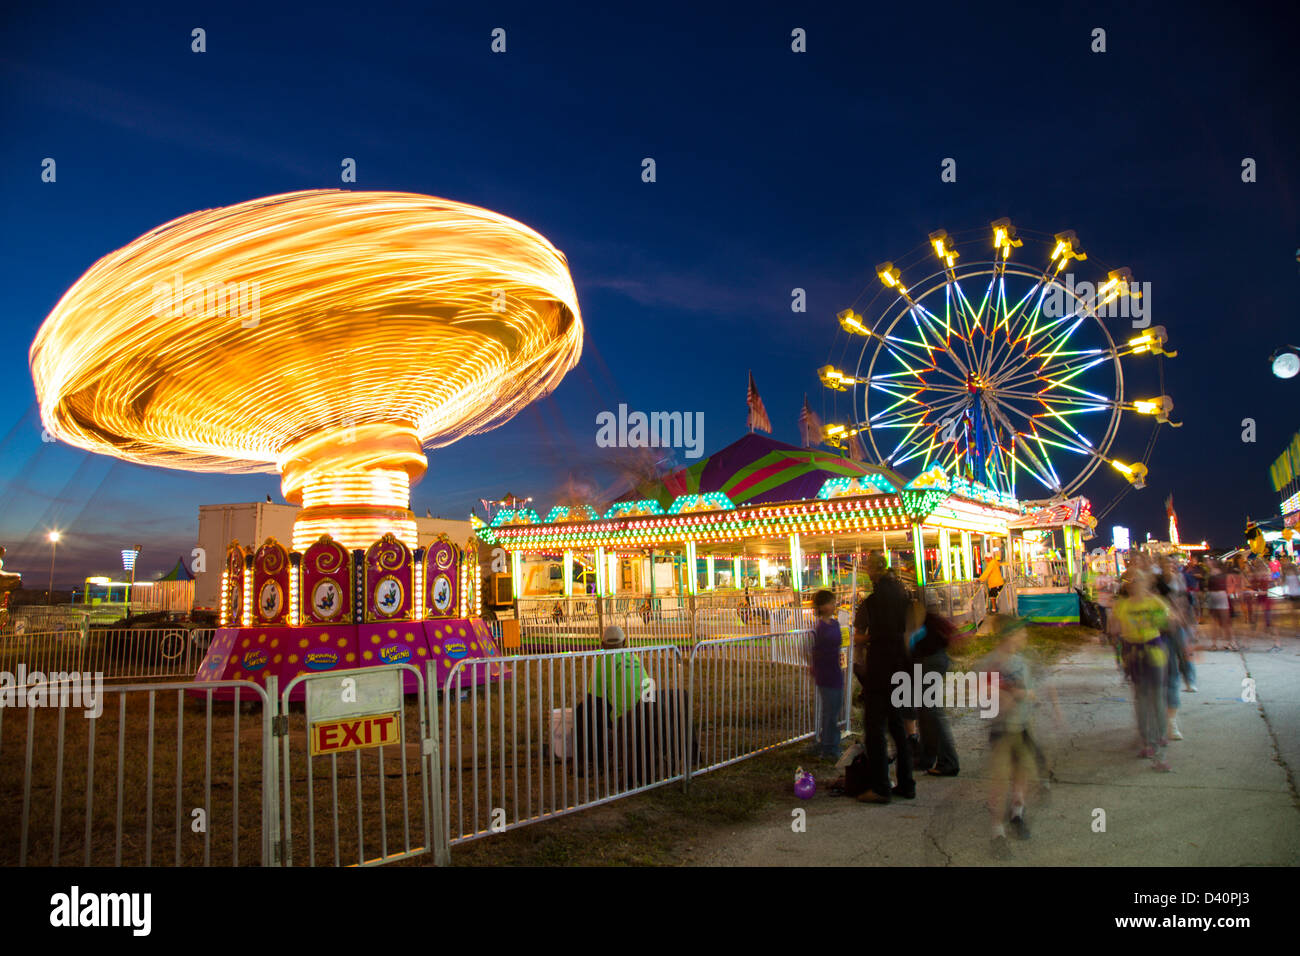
(1047, 552)
(755, 528)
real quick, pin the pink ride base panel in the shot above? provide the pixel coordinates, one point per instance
(253, 653)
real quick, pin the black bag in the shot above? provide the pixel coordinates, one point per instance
(856, 780)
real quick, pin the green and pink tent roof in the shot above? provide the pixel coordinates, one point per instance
(758, 470)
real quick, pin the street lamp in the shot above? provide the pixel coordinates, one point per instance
(128, 565)
(54, 547)
(1285, 362)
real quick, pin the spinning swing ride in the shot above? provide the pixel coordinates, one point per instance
(996, 370)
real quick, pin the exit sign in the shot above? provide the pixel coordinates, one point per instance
(355, 733)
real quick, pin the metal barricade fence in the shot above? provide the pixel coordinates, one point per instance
(749, 695)
(962, 602)
(115, 653)
(549, 636)
(354, 723)
(552, 734)
(672, 626)
(92, 797)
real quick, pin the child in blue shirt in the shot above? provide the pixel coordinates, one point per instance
(825, 667)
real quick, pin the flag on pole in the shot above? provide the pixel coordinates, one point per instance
(810, 426)
(1169, 507)
(856, 452)
(757, 413)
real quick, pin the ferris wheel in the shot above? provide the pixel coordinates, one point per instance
(1004, 372)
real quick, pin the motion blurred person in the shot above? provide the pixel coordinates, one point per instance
(880, 622)
(1172, 586)
(1220, 606)
(1143, 619)
(1011, 749)
(938, 753)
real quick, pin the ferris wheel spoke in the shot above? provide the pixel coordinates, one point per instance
(1082, 445)
(1033, 464)
(971, 322)
(927, 323)
(1064, 373)
(1040, 467)
(945, 324)
(918, 410)
(1029, 357)
(1013, 334)
(894, 349)
(1065, 384)
(1089, 403)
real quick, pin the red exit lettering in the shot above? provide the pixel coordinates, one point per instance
(354, 733)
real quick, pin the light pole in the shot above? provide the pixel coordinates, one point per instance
(128, 563)
(54, 547)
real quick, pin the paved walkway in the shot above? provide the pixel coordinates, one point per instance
(1230, 801)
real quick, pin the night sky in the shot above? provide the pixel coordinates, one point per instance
(775, 170)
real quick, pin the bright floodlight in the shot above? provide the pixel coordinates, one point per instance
(326, 335)
(54, 536)
(1286, 362)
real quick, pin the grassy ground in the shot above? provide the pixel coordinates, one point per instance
(662, 826)
(666, 827)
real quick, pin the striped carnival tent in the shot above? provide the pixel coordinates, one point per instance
(758, 470)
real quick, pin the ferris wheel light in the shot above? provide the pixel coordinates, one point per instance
(833, 378)
(836, 435)
(1159, 407)
(1135, 473)
(1152, 340)
(851, 322)
(939, 239)
(889, 275)
(1004, 236)
(1065, 248)
(1118, 282)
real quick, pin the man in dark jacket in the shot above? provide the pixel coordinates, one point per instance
(880, 622)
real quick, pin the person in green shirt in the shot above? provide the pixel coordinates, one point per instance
(619, 678)
(1143, 620)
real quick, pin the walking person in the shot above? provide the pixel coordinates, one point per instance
(880, 623)
(1220, 608)
(1012, 753)
(1193, 579)
(992, 577)
(1143, 620)
(1237, 599)
(1172, 586)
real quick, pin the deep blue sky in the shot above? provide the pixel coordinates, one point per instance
(775, 170)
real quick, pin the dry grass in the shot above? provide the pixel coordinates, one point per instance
(744, 703)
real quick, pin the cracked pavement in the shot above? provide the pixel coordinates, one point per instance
(1232, 799)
